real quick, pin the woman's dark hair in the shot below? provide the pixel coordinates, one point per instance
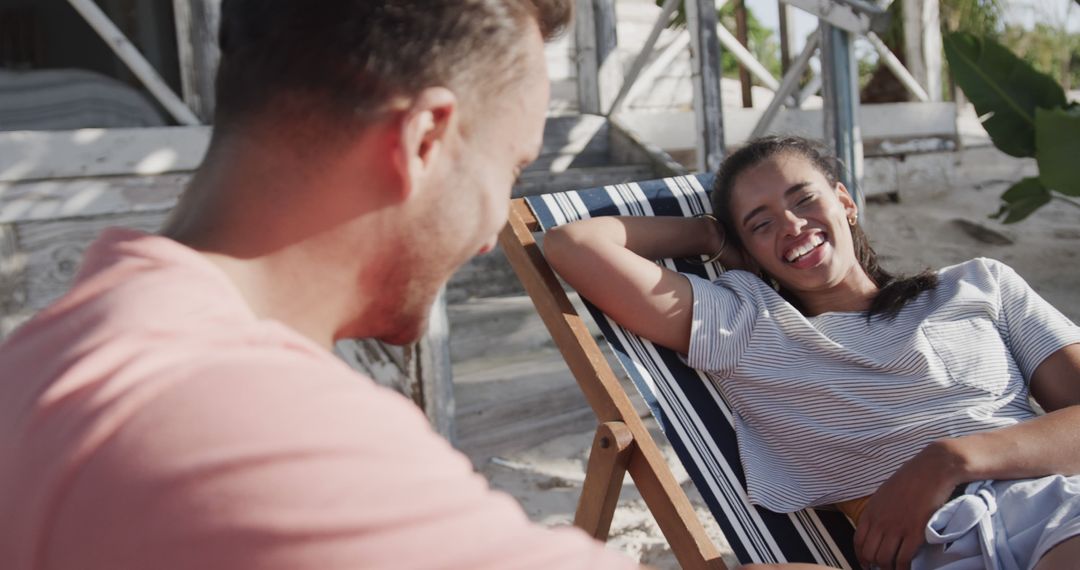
(894, 291)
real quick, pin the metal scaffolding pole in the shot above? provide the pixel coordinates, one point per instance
(841, 103)
(705, 62)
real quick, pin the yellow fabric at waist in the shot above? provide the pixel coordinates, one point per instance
(853, 508)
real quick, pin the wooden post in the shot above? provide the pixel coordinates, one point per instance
(785, 36)
(598, 68)
(134, 60)
(642, 58)
(420, 371)
(12, 281)
(608, 459)
(922, 44)
(742, 33)
(705, 68)
(841, 105)
(197, 23)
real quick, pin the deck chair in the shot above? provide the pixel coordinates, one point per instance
(690, 412)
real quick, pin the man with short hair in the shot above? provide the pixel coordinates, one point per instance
(179, 407)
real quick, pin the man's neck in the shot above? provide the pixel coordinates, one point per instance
(238, 218)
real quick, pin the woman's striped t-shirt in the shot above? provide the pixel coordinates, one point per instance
(828, 407)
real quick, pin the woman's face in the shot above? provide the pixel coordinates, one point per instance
(794, 224)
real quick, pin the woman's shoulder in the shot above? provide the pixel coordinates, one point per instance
(978, 267)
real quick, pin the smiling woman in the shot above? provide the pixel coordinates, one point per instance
(903, 401)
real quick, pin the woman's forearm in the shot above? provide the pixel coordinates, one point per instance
(1045, 445)
(650, 237)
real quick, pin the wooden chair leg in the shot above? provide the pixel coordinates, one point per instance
(608, 458)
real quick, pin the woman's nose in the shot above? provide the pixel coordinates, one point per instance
(793, 224)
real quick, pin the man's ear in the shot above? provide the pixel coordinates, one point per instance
(424, 129)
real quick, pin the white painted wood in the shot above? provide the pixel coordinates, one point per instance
(674, 131)
(54, 250)
(787, 87)
(922, 44)
(642, 58)
(705, 66)
(844, 15)
(44, 200)
(588, 70)
(197, 23)
(747, 59)
(12, 281)
(48, 155)
(899, 71)
(434, 371)
(841, 105)
(663, 64)
(40, 155)
(134, 60)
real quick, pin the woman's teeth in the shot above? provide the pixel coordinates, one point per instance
(795, 253)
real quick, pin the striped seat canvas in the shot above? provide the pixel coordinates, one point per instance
(692, 414)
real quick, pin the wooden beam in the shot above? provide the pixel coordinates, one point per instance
(922, 44)
(652, 475)
(432, 369)
(608, 458)
(705, 70)
(642, 58)
(134, 60)
(599, 71)
(741, 34)
(787, 47)
(197, 23)
(48, 155)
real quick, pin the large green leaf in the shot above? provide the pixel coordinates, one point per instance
(1002, 87)
(1057, 144)
(1022, 199)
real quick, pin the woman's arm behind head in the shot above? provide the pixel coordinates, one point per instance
(608, 260)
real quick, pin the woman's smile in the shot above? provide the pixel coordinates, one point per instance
(807, 251)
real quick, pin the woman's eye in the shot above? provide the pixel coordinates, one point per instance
(805, 199)
(759, 225)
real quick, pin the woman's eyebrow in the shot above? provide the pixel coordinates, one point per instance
(794, 188)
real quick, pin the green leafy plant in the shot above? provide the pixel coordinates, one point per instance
(1026, 114)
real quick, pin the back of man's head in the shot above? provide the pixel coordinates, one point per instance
(338, 63)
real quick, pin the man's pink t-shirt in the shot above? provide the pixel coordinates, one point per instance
(148, 419)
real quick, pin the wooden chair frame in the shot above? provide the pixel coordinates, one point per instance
(622, 443)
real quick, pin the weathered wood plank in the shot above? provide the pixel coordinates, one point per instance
(53, 250)
(705, 58)
(420, 371)
(585, 44)
(12, 281)
(25, 156)
(885, 126)
(922, 44)
(44, 155)
(43, 200)
(197, 23)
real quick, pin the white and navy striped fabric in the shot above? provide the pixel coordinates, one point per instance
(694, 416)
(828, 407)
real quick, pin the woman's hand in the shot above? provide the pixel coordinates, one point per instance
(892, 527)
